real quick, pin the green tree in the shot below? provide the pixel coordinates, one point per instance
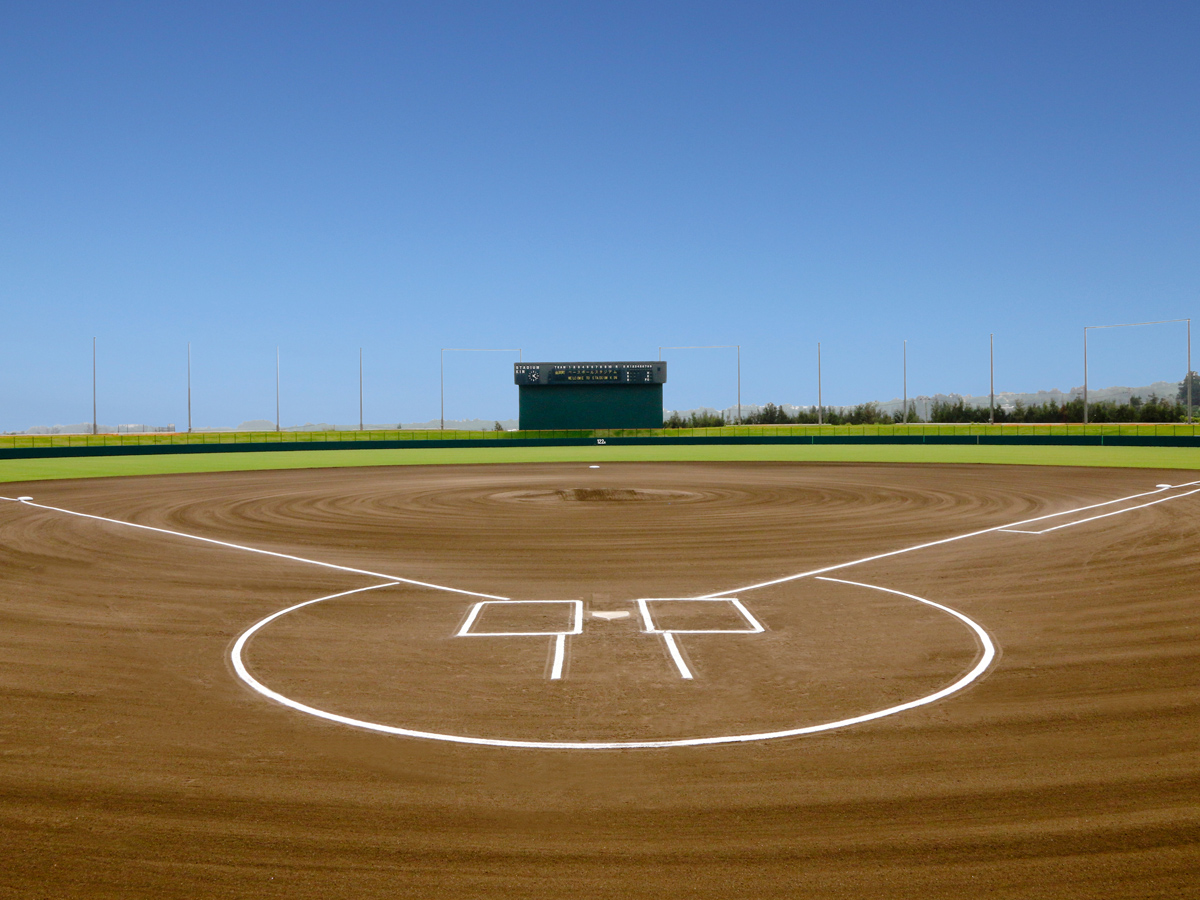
(1183, 386)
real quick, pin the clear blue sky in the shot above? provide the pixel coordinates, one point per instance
(585, 181)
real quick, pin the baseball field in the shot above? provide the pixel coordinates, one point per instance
(614, 672)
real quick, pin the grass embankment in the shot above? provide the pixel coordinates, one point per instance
(17, 441)
(105, 466)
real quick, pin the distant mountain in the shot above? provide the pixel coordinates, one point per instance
(101, 428)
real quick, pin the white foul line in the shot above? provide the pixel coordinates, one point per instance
(989, 651)
(1103, 515)
(311, 562)
(949, 540)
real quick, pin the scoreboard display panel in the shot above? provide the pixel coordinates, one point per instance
(549, 374)
(590, 395)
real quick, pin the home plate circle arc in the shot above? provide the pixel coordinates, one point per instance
(658, 628)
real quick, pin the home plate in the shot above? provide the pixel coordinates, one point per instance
(610, 615)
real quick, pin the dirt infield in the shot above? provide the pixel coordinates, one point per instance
(135, 761)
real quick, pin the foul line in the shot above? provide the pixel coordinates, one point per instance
(1103, 515)
(396, 579)
(949, 540)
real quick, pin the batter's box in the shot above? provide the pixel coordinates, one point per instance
(517, 618)
(690, 615)
(527, 618)
(670, 616)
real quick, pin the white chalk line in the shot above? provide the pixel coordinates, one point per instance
(650, 628)
(669, 640)
(311, 562)
(980, 667)
(560, 649)
(560, 637)
(1103, 515)
(576, 619)
(989, 653)
(668, 634)
(960, 537)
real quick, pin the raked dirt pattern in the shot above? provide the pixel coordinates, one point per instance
(135, 762)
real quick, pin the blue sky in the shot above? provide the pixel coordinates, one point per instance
(585, 181)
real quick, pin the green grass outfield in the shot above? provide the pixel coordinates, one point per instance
(106, 466)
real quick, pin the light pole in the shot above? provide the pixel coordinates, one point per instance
(905, 407)
(94, 429)
(992, 377)
(442, 358)
(820, 402)
(1085, 376)
(276, 389)
(737, 347)
(360, 390)
(189, 387)
(1188, 379)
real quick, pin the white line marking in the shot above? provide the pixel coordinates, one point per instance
(668, 634)
(643, 604)
(949, 540)
(576, 619)
(684, 671)
(1103, 515)
(560, 646)
(980, 667)
(311, 562)
(647, 622)
(989, 653)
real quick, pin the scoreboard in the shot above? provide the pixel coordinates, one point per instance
(590, 395)
(550, 374)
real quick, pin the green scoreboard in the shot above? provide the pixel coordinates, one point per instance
(590, 394)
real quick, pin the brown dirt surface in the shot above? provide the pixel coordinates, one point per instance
(135, 763)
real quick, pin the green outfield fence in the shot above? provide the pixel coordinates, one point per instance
(26, 446)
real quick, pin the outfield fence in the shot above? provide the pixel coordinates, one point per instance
(152, 439)
(64, 445)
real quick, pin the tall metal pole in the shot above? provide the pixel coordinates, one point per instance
(442, 376)
(94, 429)
(992, 376)
(1085, 376)
(905, 381)
(739, 367)
(1189, 373)
(360, 390)
(189, 387)
(276, 389)
(820, 402)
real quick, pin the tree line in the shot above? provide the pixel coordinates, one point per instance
(1155, 409)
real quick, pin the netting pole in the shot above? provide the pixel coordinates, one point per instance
(1085, 377)
(820, 416)
(992, 376)
(94, 430)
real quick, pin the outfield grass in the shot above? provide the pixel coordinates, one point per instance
(106, 466)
